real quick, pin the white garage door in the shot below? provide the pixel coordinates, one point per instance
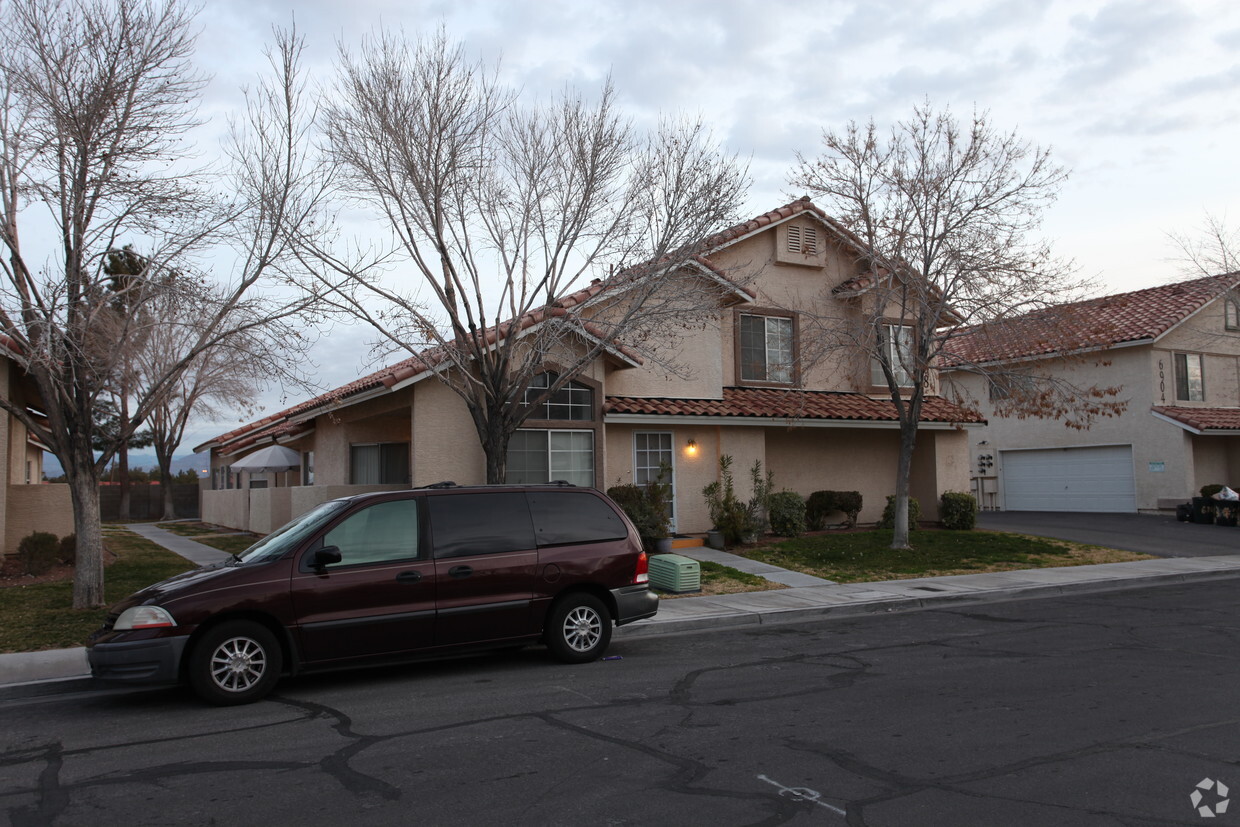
(1069, 479)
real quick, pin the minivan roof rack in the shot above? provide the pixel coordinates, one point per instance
(444, 484)
(562, 483)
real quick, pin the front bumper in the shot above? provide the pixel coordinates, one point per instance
(139, 661)
(634, 603)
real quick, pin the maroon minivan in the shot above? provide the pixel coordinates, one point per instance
(378, 578)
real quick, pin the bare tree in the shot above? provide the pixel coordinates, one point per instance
(500, 207)
(944, 217)
(95, 98)
(1212, 250)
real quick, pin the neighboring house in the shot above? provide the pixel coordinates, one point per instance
(752, 392)
(25, 504)
(1172, 351)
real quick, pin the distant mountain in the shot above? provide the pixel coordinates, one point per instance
(145, 461)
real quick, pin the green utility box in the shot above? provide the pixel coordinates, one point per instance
(675, 574)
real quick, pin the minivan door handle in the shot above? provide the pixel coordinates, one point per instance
(409, 577)
(460, 571)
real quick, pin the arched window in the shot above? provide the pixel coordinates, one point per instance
(573, 402)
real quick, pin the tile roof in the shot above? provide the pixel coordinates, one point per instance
(1202, 419)
(1087, 325)
(394, 374)
(789, 404)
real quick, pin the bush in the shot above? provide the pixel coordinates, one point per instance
(68, 550)
(728, 514)
(958, 511)
(889, 513)
(787, 510)
(823, 503)
(634, 503)
(1211, 489)
(37, 552)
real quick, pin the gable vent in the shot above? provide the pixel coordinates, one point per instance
(803, 240)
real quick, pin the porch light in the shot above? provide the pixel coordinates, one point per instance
(691, 448)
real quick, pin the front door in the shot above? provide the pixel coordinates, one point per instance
(379, 599)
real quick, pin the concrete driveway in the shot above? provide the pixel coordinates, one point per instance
(1155, 534)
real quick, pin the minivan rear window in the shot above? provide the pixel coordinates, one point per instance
(565, 517)
(469, 524)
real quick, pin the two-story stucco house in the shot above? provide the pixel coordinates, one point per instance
(1172, 351)
(750, 393)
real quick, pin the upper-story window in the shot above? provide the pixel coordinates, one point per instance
(895, 343)
(767, 348)
(1189, 380)
(573, 402)
(1231, 314)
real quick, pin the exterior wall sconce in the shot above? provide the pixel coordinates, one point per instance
(691, 448)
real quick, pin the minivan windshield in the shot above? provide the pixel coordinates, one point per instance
(292, 533)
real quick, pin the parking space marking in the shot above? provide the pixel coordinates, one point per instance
(802, 794)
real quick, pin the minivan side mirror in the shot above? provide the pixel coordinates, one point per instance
(326, 556)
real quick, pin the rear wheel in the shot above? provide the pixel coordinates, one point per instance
(579, 629)
(235, 663)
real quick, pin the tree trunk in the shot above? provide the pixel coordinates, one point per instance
(88, 572)
(908, 441)
(122, 512)
(165, 484)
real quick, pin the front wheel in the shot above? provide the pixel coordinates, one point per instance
(235, 663)
(579, 629)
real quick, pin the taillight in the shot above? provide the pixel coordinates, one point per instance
(642, 574)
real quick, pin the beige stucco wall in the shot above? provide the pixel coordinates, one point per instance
(1145, 377)
(36, 508)
(445, 443)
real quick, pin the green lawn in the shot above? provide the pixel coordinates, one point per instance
(40, 616)
(866, 555)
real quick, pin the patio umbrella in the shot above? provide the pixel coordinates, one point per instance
(271, 458)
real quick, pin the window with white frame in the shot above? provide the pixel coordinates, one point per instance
(1231, 314)
(651, 451)
(538, 456)
(573, 402)
(895, 343)
(766, 349)
(1189, 381)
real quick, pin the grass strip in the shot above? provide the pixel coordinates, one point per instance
(41, 615)
(865, 556)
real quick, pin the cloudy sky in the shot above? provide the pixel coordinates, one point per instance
(1138, 99)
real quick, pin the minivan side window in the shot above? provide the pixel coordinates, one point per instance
(465, 525)
(567, 517)
(376, 534)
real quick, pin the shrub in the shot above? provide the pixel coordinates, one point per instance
(68, 550)
(958, 511)
(787, 509)
(729, 515)
(889, 513)
(37, 552)
(822, 503)
(633, 502)
(1211, 489)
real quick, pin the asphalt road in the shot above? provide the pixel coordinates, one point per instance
(1103, 709)
(1156, 534)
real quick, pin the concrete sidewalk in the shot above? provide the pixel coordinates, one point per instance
(809, 598)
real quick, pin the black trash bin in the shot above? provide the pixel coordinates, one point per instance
(1203, 509)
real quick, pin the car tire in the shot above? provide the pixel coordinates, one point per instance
(235, 663)
(578, 629)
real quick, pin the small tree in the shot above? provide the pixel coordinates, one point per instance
(943, 216)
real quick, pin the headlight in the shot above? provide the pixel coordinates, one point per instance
(143, 617)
